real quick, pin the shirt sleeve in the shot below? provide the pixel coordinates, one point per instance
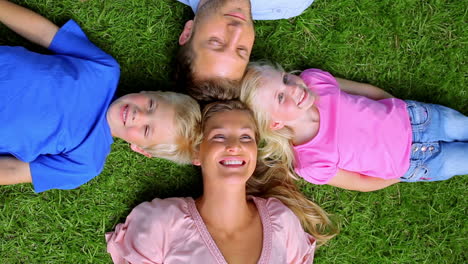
(302, 244)
(145, 235)
(192, 3)
(71, 40)
(320, 82)
(65, 171)
(317, 171)
(299, 244)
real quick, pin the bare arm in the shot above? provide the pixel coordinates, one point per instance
(13, 171)
(28, 24)
(358, 182)
(363, 89)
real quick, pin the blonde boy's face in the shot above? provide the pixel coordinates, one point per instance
(142, 119)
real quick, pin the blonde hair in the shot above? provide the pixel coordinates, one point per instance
(187, 116)
(273, 180)
(276, 146)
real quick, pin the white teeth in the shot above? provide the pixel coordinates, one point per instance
(232, 162)
(125, 114)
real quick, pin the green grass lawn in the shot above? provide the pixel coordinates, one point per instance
(414, 49)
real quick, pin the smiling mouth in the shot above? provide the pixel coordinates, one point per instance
(124, 114)
(232, 163)
(302, 98)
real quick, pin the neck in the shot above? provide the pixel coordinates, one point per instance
(225, 209)
(306, 127)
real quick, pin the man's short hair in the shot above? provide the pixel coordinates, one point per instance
(207, 90)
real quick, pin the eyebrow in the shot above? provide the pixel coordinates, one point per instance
(223, 128)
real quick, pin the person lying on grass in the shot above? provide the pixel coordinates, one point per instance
(57, 125)
(216, 44)
(353, 135)
(242, 216)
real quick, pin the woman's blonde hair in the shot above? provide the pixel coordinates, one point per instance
(273, 180)
(276, 146)
(187, 117)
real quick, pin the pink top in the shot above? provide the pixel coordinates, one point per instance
(172, 231)
(356, 134)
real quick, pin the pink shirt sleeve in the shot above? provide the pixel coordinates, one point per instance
(143, 238)
(286, 226)
(317, 163)
(314, 171)
(320, 82)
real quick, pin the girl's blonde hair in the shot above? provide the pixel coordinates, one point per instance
(187, 117)
(272, 180)
(276, 146)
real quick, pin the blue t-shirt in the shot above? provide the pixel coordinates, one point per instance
(53, 108)
(268, 9)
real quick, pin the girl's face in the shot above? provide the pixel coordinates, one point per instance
(228, 151)
(284, 96)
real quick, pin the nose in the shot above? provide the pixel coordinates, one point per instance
(139, 117)
(293, 88)
(233, 145)
(235, 31)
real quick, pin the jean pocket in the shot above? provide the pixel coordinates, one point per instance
(419, 173)
(419, 113)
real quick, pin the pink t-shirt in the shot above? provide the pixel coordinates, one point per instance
(172, 231)
(356, 134)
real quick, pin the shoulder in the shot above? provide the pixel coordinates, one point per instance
(160, 210)
(70, 40)
(149, 232)
(192, 3)
(154, 221)
(319, 80)
(288, 233)
(278, 212)
(316, 164)
(278, 9)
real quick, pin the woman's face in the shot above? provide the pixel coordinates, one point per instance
(228, 151)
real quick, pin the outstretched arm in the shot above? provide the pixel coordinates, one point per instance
(358, 182)
(28, 24)
(13, 171)
(363, 89)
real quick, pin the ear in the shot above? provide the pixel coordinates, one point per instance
(196, 160)
(140, 150)
(186, 33)
(275, 125)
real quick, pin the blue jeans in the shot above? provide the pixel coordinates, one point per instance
(440, 143)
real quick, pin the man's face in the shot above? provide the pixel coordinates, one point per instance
(223, 37)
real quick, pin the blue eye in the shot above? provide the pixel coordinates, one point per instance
(286, 78)
(280, 97)
(218, 137)
(246, 138)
